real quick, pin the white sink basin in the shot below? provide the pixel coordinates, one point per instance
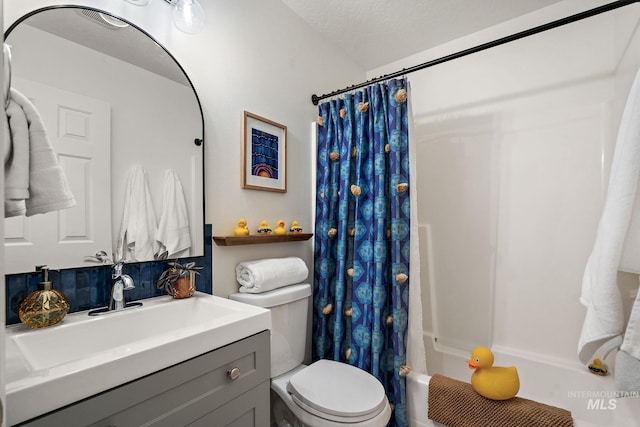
(85, 355)
(83, 336)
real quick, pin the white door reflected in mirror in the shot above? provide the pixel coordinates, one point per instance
(79, 130)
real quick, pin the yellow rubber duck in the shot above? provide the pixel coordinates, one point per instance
(598, 368)
(295, 228)
(492, 382)
(242, 229)
(264, 228)
(280, 230)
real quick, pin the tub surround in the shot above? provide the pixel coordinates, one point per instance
(90, 287)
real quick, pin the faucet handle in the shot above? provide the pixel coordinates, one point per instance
(117, 269)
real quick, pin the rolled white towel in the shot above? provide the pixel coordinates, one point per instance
(271, 273)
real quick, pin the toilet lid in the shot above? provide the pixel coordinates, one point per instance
(337, 390)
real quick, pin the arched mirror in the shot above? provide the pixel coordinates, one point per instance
(113, 101)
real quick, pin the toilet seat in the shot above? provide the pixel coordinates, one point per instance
(337, 391)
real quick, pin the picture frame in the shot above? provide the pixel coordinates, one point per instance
(263, 154)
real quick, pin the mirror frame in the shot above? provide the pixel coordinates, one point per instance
(197, 141)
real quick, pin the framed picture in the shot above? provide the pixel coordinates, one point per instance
(264, 154)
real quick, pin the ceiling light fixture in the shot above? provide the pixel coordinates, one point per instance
(188, 15)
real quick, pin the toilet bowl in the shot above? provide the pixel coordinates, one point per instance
(325, 393)
(332, 394)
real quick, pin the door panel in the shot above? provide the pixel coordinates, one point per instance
(79, 131)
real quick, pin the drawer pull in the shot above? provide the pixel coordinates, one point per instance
(233, 374)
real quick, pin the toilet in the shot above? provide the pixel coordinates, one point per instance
(325, 393)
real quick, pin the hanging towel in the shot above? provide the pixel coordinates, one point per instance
(6, 85)
(137, 236)
(267, 274)
(16, 161)
(34, 181)
(600, 294)
(173, 227)
(627, 372)
(630, 261)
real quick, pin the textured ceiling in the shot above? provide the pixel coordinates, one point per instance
(377, 32)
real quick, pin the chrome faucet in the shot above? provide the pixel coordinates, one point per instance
(119, 283)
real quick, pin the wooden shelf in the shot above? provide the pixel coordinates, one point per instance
(257, 240)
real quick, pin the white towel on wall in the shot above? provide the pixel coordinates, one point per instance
(627, 372)
(631, 342)
(137, 236)
(6, 84)
(600, 294)
(630, 260)
(267, 274)
(173, 228)
(34, 180)
(16, 161)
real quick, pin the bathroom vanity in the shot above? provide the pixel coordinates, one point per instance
(168, 363)
(225, 387)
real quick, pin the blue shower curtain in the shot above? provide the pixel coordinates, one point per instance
(361, 259)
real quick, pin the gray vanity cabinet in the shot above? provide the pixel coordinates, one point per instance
(225, 387)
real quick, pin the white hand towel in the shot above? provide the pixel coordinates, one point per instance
(267, 274)
(137, 236)
(630, 261)
(631, 342)
(34, 181)
(173, 227)
(600, 293)
(16, 162)
(6, 86)
(627, 373)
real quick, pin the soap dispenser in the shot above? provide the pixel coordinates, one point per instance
(44, 307)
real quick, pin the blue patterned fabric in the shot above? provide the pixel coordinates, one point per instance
(361, 286)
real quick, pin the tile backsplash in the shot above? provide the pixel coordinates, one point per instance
(90, 287)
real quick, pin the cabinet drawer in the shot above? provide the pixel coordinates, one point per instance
(250, 409)
(178, 395)
(200, 385)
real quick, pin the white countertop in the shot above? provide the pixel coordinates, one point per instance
(85, 355)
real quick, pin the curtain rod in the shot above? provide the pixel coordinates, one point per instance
(526, 33)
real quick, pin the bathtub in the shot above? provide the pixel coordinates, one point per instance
(590, 398)
(417, 394)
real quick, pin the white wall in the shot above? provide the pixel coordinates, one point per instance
(253, 55)
(514, 147)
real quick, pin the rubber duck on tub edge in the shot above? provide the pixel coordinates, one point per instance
(492, 382)
(598, 368)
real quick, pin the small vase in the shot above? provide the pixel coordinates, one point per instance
(185, 287)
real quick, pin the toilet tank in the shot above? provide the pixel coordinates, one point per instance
(289, 308)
